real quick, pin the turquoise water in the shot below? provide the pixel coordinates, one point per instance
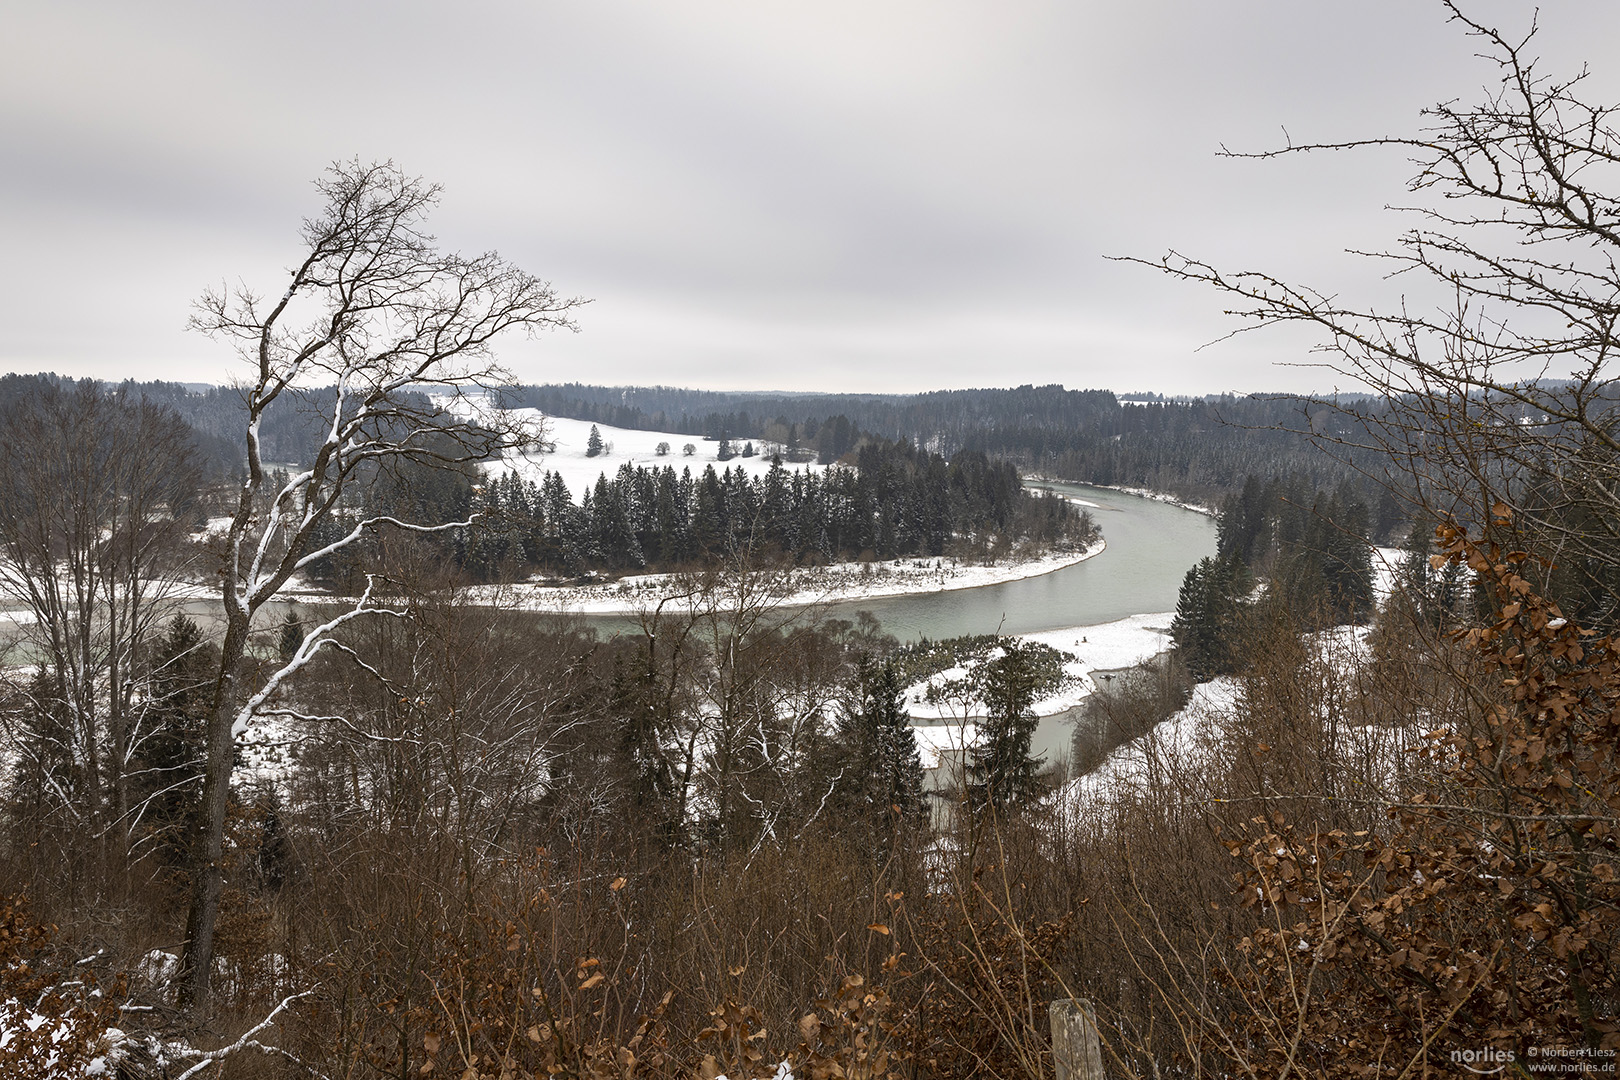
(1151, 546)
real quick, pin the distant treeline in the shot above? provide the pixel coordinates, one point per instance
(944, 419)
(1199, 448)
(291, 430)
(899, 500)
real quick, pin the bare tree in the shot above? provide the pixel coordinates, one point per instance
(1497, 382)
(93, 508)
(373, 311)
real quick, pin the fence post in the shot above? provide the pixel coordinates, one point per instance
(1076, 1050)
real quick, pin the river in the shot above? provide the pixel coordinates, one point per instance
(1151, 546)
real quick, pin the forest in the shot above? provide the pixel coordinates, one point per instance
(894, 501)
(1198, 448)
(1352, 825)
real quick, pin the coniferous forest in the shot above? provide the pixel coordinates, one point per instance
(893, 501)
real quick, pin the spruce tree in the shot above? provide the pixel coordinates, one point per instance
(882, 769)
(1436, 595)
(593, 443)
(167, 763)
(292, 636)
(1002, 770)
(1210, 621)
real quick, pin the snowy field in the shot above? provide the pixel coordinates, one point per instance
(1184, 749)
(938, 744)
(621, 446)
(1185, 744)
(1386, 562)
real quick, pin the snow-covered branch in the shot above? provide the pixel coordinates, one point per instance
(307, 650)
(248, 1042)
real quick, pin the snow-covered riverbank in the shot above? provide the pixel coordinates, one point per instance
(1105, 647)
(1139, 492)
(1160, 496)
(944, 723)
(835, 583)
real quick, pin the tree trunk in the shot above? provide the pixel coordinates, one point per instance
(208, 841)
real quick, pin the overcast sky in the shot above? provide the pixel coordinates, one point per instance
(861, 195)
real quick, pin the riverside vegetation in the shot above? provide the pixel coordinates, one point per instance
(456, 840)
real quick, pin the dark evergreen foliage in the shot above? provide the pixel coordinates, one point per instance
(1312, 545)
(1309, 548)
(291, 638)
(1198, 447)
(1210, 619)
(1201, 448)
(898, 501)
(1001, 770)
(1435, 596)
(166, 772)
(880, 769)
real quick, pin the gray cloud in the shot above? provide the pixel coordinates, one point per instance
(852, 194)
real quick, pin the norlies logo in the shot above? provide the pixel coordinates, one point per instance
(1483, 1062)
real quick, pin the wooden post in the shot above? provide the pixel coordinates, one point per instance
(1076, 1051)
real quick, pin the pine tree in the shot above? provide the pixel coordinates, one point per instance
(292, 636)
(1002, 771)
(1209, 620)
(882, 770)
(593, 443)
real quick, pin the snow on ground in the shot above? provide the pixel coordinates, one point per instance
(1386, 563)
(622, 446)
(267, 753)
(214, 526)
(945, 705)
(834, 583)
(1183, 744)
(1109, 646)
(155, 591)
(1187, 745)
(1104, 647)
(56, 1037)
(1159, 496)
(939, 743)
